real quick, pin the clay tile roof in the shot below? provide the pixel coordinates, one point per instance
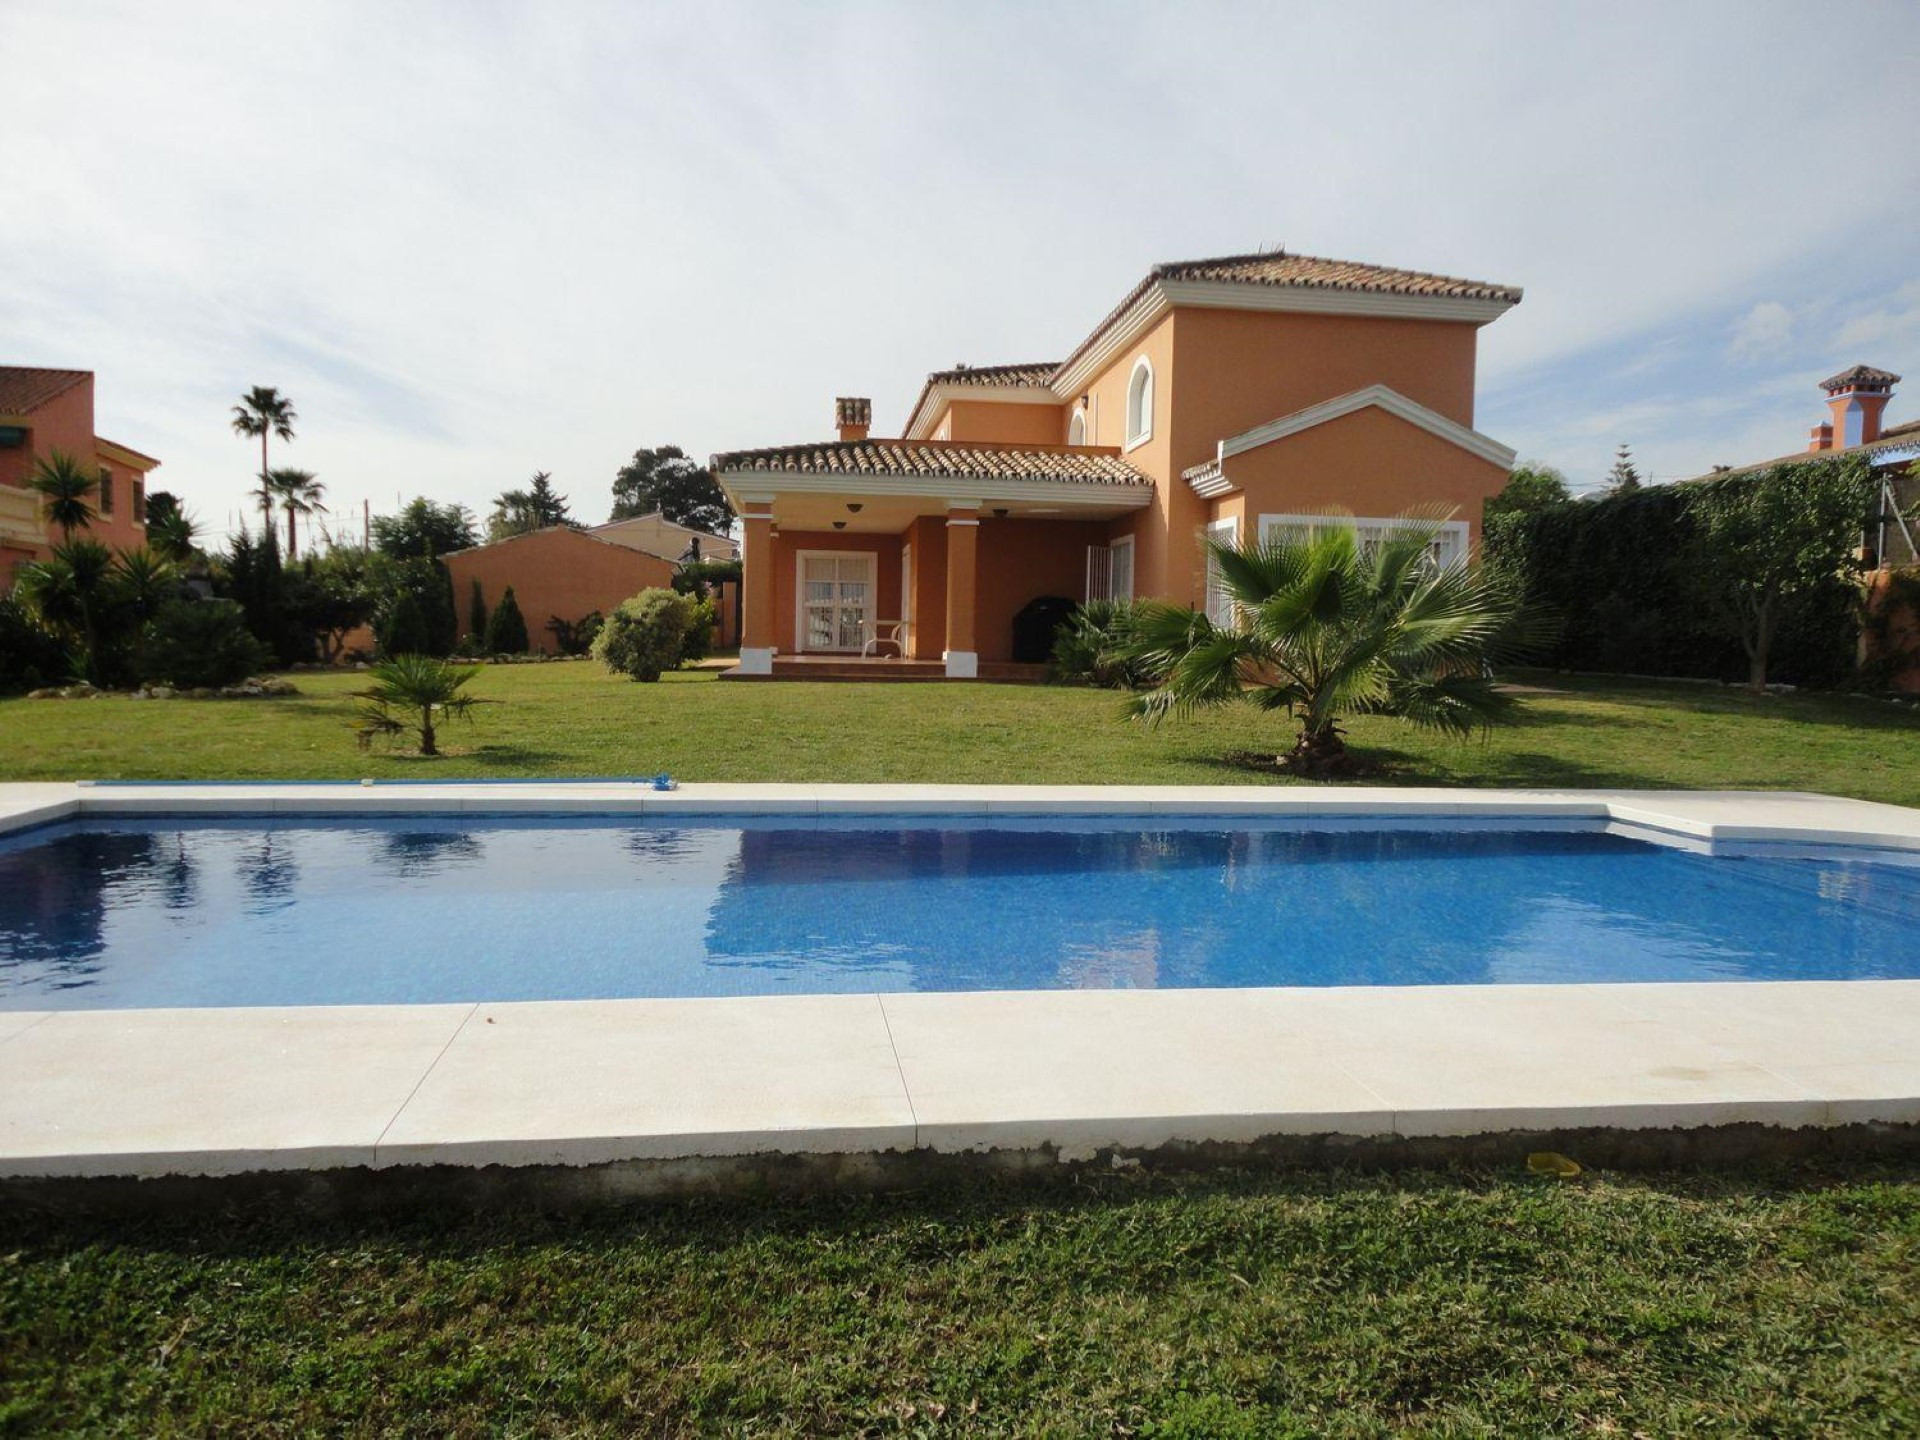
(937, 459)
(1305, 272)
(26, 387)
(1861, 377)
(1277, 267)
(995, 374)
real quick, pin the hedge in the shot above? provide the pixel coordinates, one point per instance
(1617, 573)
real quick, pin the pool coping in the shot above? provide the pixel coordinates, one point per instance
(1069, 1076)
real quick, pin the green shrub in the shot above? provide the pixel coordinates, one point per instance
(645, 635)
(699, 642)
(1096, 647)
(30, 654)
(194, 643)
(476, 611)
(403, 629)
(575, 637)
(506, 627)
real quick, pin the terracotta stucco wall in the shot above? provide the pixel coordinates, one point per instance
(1370, 463)
(787, 546)
(1022, 560)
(553, 572)
(1157, 570)
(928, 537)
(1005, 423)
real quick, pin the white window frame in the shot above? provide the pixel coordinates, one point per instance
(1078, 421)
(1139, 418)
(800, 558)
(1450, 539)
(1219, 605)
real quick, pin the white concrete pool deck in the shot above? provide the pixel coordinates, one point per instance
(228, 1091)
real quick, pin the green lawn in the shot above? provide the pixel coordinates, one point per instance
(1778, 1302)
(574, 719)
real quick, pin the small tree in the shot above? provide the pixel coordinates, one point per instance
(1767, 541)
(645, 635)
(74, 593)
(198, 643)
(66, 492)
(403, 629)
(476, 611)
(412, 695)
(507, 628)
(1324, 627)
(1625, 475)
(668, 481)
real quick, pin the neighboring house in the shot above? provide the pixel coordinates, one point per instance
(563, 573)
(1857, 401)
(1224, 397)
(42, 411)
(661, 536)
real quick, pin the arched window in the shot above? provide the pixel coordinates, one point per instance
(1077, 428)
(1140, 403)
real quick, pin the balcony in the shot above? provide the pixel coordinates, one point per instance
(20, 517)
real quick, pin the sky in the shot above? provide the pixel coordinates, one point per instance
(478, 239)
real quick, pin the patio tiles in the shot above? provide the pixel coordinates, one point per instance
(211, 1092)
(582, 1082)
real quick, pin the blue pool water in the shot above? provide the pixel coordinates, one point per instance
(297, 911)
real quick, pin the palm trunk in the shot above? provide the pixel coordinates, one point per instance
(290, 541)
(1319, 753)
(426, 731)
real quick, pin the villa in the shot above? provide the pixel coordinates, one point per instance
(42, 411)
(1223, 398)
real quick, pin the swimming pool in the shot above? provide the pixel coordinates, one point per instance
(297, 910)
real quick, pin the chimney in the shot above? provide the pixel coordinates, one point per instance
(1857, 397)
(1820, 437)
(854, 416)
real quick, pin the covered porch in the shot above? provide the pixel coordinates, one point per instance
(857, 563)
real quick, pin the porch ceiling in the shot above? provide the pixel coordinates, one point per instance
(890, 514)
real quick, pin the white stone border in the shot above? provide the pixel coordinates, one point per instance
(575, 1083)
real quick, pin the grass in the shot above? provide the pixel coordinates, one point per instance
(1774, 1301)
(1778, 1301)
(574, 719)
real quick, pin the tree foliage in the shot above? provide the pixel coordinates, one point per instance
(1532, 486)
(66, 490)
(521, 512)
(300, 492)
(667, 481)
(196, 643)
(1763, 546)
(1624, 478)
(424, 529)
(264, 411)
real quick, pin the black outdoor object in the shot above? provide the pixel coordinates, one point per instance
(1036, 625)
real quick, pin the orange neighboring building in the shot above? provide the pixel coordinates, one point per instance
(1222, 397)
(42, 411)
(567, 573)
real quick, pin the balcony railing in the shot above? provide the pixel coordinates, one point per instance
(20, 516)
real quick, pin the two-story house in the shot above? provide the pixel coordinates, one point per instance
(1221, 397)
(42, 411)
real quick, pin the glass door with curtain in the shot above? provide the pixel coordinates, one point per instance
(836, 599)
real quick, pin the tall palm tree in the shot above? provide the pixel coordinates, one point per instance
(300, 494)
(1324, 627)
(66, 488)
(262, 411)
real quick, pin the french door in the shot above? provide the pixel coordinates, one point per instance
(836, 599)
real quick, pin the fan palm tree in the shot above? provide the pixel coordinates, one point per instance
(70, 591)
(264, 411)
(407, 693)
(1325, 627)
(66, 488)
(300, 494)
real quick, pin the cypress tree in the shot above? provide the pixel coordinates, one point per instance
(506, 628)
(477, 613)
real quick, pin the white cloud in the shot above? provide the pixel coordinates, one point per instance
(1762, 331)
